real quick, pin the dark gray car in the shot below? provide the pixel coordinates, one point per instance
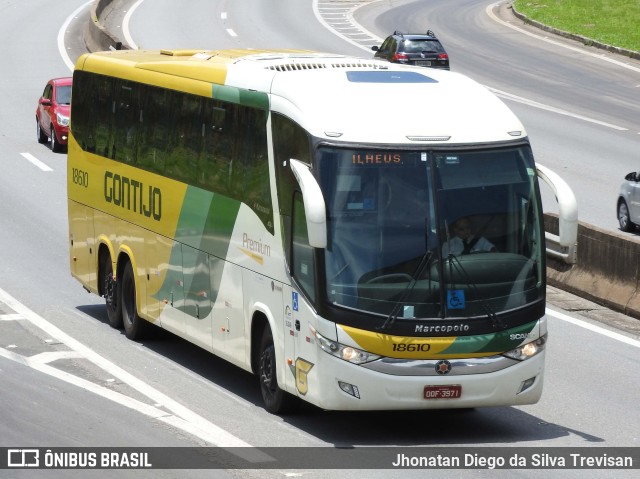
(413, 49)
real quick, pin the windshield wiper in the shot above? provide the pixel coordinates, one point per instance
(395, 311)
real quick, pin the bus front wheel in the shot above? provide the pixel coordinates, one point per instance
(276, 400)
(134, 326)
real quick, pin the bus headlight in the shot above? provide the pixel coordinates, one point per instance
(346, 353)
(62, 120)
(528, 350)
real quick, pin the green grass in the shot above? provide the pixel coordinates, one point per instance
(612, 22)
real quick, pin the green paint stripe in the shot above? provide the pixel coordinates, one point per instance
(503, 342)
(206, 223)
(193, 216)
(485, 343)
(242, 97)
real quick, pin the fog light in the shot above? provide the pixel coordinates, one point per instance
(527, 384)
(350, 389)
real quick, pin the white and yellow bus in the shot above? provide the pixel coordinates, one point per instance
(294, 213)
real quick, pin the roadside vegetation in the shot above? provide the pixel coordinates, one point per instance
(612, 22)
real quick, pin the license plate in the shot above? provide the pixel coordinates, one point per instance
(423, 63)
(451, 391)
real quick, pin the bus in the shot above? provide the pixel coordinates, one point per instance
(295, 212)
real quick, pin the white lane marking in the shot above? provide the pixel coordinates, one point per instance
(599, 56)
(231, 32)
(50, 356)
(223, 16)
(596, 329)
(553, 109)
(87, 385)
(248, 453)
(35, 161)
(63, 29)
(184, 419)
(319, 17)
(125, 25)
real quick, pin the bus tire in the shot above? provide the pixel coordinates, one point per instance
(276, 401)
(134, 326)
(111, 292)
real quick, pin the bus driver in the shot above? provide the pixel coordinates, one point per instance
(464, 242)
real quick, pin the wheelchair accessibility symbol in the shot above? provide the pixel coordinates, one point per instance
(455, 299)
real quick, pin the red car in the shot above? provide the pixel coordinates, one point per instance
(52, 114)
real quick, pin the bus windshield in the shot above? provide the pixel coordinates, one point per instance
(432, 233)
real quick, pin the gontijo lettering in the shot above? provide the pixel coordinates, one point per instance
(132, 195)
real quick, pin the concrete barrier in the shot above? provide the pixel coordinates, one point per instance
(608, 262)
(606, 271)
(96, 36)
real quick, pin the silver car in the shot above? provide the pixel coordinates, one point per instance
(629, 202)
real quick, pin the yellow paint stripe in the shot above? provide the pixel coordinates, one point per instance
(399, 346)
(254, 256)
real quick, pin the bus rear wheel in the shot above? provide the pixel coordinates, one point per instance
(134, 326)
(276, 400)
(111, 293)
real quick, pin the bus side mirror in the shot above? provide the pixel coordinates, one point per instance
(565, 244)
(314, 206)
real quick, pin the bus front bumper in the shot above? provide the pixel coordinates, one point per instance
(338, 385)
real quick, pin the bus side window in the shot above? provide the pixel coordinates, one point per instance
(302, 262)
(103, 112)
(185, 138)
(85, 100)
(213, 170)
(126, 118)
(155, 129)
(250, 168)
(290, 140)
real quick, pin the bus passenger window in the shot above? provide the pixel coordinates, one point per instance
(125, 120)
(290, 140)
(103, 111)
(213, 169)
(156, 128)
(184, 139)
